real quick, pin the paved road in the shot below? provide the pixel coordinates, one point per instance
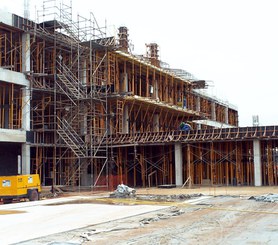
(29, 220)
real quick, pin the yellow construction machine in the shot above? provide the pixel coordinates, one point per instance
(20, 186)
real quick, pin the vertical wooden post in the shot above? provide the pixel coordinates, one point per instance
(142, 163)
(147, 83)
(189, 170)
(237, 165)
(212, 164)
(200, 164)
(140, 80)
(171, 164)
(269, 163)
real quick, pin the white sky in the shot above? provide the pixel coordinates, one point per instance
(233, 43)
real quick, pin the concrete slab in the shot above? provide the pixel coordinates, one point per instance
(13, 77)
(42, 218)
(12, 135)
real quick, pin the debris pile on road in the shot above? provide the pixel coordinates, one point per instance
(265, 198)
(123, 191)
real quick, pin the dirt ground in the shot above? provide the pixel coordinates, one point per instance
(214, 190)
(220, 215)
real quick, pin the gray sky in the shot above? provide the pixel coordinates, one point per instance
(233, 43)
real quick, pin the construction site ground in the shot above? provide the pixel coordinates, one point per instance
(207, 215)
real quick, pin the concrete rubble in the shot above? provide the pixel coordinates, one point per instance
(265, 198)
(168, 198)
(123, 191)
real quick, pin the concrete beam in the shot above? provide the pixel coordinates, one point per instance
(213, 123)
(12, 135)
(257, 163)
(178, 164)
(13, 77)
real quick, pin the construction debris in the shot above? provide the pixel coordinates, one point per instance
(168, 198)
(123, 191)
(265, 198)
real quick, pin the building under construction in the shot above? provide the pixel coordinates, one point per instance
(79, 109)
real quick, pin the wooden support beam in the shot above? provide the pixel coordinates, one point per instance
(212, 164)
(189, 166)
(238, 164)
(270, 164)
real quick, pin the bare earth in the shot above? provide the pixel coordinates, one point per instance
(222, 215)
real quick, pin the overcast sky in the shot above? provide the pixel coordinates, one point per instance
(232, 43)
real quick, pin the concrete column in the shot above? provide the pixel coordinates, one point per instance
(156, 90)
(257, 162)
(124, 82)
(25, 52)
(84, 73)
(155, 123)
(213, 112)
(85, 178)
(84, 124)
(26, 109)
(226, 115)
(178, 164)
(125, 120)
(198, 104)
(25, 151)
(25, 148)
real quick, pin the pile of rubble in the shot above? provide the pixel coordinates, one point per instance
(123, 191)
(265, 198)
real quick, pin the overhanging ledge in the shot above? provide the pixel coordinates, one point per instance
(13, 77)
(12, 135)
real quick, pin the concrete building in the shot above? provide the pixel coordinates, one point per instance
(79, 109)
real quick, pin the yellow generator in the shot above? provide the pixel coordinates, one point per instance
(20, 186)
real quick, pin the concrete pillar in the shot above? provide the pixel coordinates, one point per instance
(83, 122)
(26, 109)
(83, 77)
(155, 122)
(198, 104)
(213, 112)
(26, 52)
(85, 177)
(25, 148)
(25, 151)
(125, 120)
(156, 90)
(178, 164)
(124, 82)
(226, 115)
(257, 162)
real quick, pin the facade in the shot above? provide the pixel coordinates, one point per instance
(80, 110)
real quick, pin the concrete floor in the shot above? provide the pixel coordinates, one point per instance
(222, 215)
(29, 220)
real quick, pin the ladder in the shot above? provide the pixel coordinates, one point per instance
(119, 116)
(71, 138)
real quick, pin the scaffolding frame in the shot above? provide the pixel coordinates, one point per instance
(69, 105)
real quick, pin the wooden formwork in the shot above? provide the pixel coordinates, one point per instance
(206, 162)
